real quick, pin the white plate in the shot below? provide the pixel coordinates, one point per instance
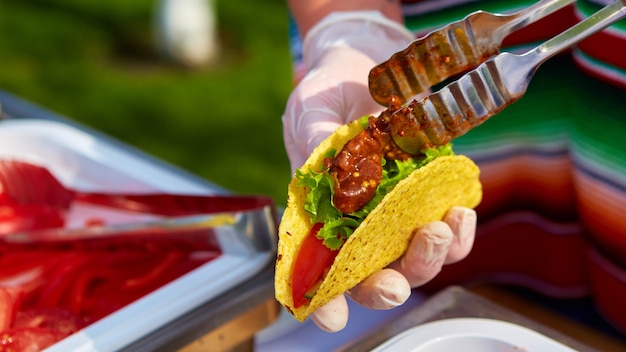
(471, 335)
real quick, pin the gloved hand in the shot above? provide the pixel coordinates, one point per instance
(339, 52)
(434, 245)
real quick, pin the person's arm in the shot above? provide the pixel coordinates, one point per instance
(308, 13)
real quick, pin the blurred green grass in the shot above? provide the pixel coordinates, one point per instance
(94, 62)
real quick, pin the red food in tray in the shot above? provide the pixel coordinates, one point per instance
(56, 280)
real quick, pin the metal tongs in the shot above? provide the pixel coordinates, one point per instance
(480, 93)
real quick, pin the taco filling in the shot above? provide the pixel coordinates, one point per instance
(343, 191)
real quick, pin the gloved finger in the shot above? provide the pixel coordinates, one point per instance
(299, 147)
(333, 316)
(426, 253)
(384, 289)
(462, 222)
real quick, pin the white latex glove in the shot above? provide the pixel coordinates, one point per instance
(339, 53)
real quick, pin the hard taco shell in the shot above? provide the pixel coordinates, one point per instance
(424, 196)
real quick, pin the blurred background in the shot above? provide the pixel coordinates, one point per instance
(102, 64)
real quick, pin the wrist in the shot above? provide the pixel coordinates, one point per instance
(369, 32)
(308, 13)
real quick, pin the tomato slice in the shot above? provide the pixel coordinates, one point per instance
(54, 319)
(29, 339)
(6, 309)
(312, 262)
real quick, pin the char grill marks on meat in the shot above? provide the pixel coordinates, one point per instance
(357, 168)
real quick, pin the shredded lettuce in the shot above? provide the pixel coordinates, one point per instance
(339, 226)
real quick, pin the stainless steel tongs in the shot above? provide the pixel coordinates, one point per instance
(451, 50)
(486, 90)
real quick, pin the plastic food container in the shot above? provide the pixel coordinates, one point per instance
(82, 159)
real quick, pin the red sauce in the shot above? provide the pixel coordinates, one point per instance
(357, 168)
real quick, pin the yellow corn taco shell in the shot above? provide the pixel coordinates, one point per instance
(424, 196)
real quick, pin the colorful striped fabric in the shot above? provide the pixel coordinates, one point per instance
(603, 55)
(558, 153)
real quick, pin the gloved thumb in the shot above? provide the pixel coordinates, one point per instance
(330, 95)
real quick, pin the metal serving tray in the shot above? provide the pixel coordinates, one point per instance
(186, 308)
